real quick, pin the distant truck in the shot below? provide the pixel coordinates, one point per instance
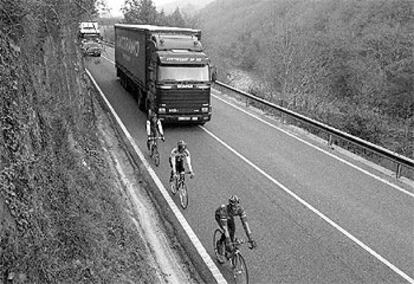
(89, 30)
(166, 69)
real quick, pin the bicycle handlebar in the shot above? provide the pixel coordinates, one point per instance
(238, 242)
(155, 138)
(185, 173)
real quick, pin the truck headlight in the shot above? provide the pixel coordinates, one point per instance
(204, 109)
(161, 110)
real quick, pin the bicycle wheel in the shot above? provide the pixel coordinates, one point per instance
(150, 144)
(182, 188)
(173, 186)
(156, 156)
(218, 248)
(240, 273)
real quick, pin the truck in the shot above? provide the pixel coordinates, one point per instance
(167, 71)
(89, 30)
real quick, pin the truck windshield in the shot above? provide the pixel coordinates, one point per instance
(183, 73)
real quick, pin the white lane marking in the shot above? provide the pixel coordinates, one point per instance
(311, 145)
(322, 216)
(314, 210)
(193, 237)
(113, 62)
(319, 149)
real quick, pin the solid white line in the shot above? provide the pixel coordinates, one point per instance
(113, 62)
(317, 148)
(193, 237)
(310, 207)
(314, 210)
(310, 144)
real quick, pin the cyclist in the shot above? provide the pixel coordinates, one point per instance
(177, 157)
(154, 128)
(224, 216)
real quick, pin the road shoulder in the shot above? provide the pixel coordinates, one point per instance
(166, 254)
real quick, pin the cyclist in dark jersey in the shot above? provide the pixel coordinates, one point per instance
(224, 216)
(153, 127)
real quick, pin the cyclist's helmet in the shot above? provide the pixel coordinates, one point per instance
(181, 145)
(234, 200)
(234, 204)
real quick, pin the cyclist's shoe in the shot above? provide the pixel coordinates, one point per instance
(148, 144)
(229, 246)
(229, 254)
(238, 271)
(221, 259)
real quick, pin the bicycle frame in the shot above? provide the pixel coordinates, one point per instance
(239, 268)
(154, 149)
(154, 139)
(236, 247)
(181, 179)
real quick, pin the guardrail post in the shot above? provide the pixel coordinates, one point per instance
(342, 139)
(330, 141)
(398, 172)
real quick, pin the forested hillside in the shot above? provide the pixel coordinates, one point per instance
(61, 218)
(347, 63)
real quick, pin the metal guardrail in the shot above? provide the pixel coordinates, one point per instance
(109, 43)
(399, 160)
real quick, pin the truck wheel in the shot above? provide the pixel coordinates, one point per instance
(126, 83)
(141, 100)
(146, 105)
(122, 79)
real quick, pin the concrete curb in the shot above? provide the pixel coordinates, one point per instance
(188, 239)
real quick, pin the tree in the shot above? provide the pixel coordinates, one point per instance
(139, 12)
(162, 18)
(176, 19)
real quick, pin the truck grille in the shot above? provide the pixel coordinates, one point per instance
(184, 100)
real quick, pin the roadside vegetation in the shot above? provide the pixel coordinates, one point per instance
(349, 64)
(143, 12)
(62, 218)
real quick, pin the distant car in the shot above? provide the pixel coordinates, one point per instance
(91, 48)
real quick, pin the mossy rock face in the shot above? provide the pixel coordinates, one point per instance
(60, 221)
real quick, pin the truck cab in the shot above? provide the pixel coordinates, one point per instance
(166, 69)
(182, 79)
(89, 30)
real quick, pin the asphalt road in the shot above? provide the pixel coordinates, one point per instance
(315, 218)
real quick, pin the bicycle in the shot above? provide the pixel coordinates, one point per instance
(154, 154)
(179, 185)
(239, 268)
